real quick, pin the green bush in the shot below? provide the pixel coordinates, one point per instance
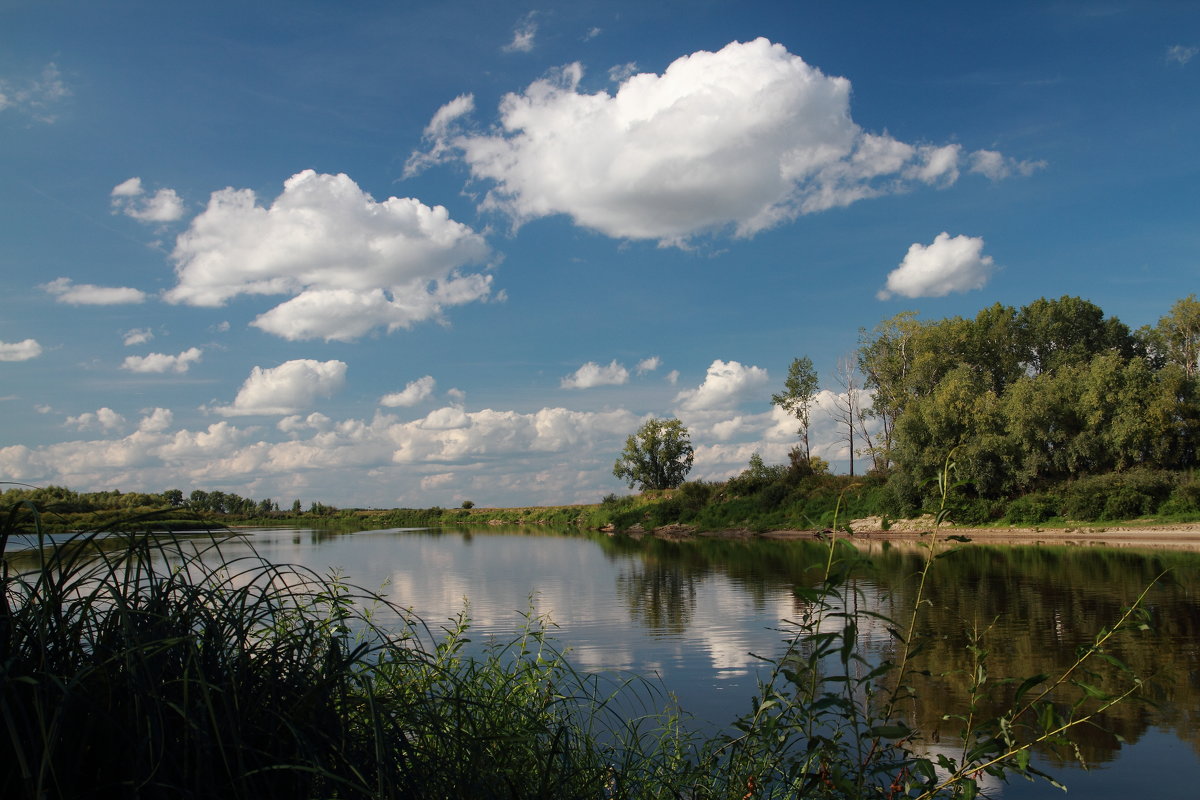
(1185, 499)
(1117, 495)
(1032, 509)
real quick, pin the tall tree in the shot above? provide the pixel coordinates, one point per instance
(885, 359)
(799, 396)
(1180, 332)
(658, 456)
(847, 411)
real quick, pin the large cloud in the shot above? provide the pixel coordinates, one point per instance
(725, 386)
(348, 263)
(948, 264)
(291, 387)
(746, 137)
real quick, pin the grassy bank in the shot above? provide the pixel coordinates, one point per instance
(143, 664)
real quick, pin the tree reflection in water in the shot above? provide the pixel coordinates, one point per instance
(1038, 605)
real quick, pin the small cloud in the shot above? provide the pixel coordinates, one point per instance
(1178, 54)
(295, 423)
(592, 34)
(85, 294)
(457, 396)
(523, 35)
(622, 71)
(20, 351)
(996, 166)
(132, 187)
(413, 393)
(673, 377)
(35, 98)
(289, 388)
(137, 336)
(161, 207)
(103, 419)
(162, 363)
(592, 374)
(648, 365)
(947, 265)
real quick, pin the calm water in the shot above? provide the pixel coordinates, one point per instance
(694, 612)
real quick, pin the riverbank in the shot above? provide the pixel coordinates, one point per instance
(1183, 536)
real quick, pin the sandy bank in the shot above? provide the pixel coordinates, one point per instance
(1174, 536)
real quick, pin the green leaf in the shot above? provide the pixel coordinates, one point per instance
(1028, 684)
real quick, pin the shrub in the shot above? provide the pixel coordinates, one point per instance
(1032, 509)
(1117, 495)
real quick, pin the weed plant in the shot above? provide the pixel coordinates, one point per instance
(135, 664)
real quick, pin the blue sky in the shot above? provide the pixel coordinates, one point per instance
(385, 254)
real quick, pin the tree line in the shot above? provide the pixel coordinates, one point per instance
(1050, 409)
(62, 500)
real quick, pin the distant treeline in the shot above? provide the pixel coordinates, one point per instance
(62, 506)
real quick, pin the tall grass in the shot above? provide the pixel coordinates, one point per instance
(135, 664)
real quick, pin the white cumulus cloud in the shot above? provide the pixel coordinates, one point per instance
(291, 387)
(349, 264)
(20, 351)
(592, 374)
(103, 419)
(648, 365)
(165, 205)
(745, 138)
(725, 385)
(137, 336)
(85, 294)
(948, 264)
(162, 362)
(413, 393)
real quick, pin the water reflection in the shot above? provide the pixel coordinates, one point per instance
(694, 612)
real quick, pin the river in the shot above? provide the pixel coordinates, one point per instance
(695, 613)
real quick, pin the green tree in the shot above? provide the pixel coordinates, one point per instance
(798, 397)
(1180, 332)
(1068, 331)
(173, 497)
(658, 456)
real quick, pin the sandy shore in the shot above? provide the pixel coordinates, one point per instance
(1175, 536)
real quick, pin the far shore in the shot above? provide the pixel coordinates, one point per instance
(1183, 536)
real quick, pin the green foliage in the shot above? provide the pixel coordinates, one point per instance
(658, 456)
(1117, 496)
(1033, 509)
(799, 396)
